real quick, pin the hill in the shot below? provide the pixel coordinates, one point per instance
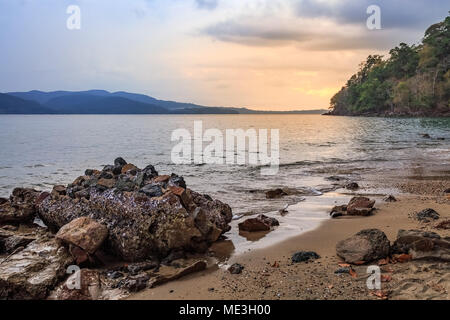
(13, 105)
(412, 81)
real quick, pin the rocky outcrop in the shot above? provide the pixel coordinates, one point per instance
(422, 245)
(145, 214)
(11, 240)
(365, 246)
(34, 271)
(260, 223)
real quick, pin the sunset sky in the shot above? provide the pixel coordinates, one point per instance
(263, 54)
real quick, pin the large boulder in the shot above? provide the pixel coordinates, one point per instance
(20, 208)
(84, 233)
(34, 271)
(140, 223)
(365, 246)
(422, 245)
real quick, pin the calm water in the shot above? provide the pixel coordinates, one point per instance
(41, 151)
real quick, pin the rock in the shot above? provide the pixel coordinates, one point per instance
(390, 198)
(304, 256)
(20, 208)
(159, 219)
(89, 172)
(137, 283)
(84, 284)
(260, 223)
(84, 233)
(152, 190)
(444, 225)
(59, 190)
(106, 183)
(422, 245)
(360, 206)
(128, 167)
(352, 186)
(137, 268)
(164, 278)
(120, 162)
(367, 245)
(338, 211)
(236, 268)
(34, 271)
(447, 190)
(275, 194)
(426, 136)
(427, 215)
(177, 181)
(125, 184)
(161, 179)
(10, 240)
(343, 270)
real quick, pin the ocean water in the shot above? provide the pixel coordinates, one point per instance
(42, 151)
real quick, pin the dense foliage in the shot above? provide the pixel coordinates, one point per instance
(414, 80)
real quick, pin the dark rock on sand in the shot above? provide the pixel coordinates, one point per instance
(140, 225)
(260, 223)
(360, 206)
(236, 268)
(352, 186)
(422, 245)
(443, 225)
(275, 194)
(447, 190)
(304, 256)
(365, 246)
(34, 271)
(390, 198)
(343, 270)
(427, 215)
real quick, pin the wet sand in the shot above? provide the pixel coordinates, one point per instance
(270, 274)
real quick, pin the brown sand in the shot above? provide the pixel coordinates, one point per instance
(269, 273)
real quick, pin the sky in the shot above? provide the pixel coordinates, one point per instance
(262, 54)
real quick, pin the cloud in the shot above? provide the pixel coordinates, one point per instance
(395, 13)
(207, 4)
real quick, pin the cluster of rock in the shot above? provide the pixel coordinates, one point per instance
(372, 245)
(121, 211)
(358, 206)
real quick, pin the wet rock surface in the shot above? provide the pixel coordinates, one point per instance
(358, 206)
(34, 271)
(20, 207)
(260, 223)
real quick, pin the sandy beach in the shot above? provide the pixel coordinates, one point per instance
(269, 273)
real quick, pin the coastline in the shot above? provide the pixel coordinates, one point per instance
(269, 273)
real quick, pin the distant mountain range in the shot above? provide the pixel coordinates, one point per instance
(104, 102)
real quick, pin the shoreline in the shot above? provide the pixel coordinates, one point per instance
(270, 274)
